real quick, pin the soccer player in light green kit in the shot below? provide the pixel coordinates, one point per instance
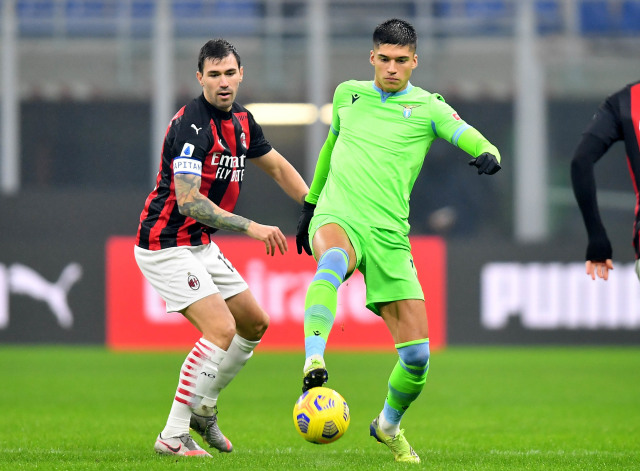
(357, 210)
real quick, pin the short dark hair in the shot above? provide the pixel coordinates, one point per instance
(216, 49)
(395, 31)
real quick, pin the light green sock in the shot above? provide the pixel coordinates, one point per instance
(321, 302)
(407, 379)
(320, 311)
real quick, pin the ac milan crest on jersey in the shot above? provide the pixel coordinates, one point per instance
(193, 282)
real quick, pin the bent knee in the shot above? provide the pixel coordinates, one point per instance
(332, 266)
(415, 355)
(255, 327)
(220, 334)
(261, 326)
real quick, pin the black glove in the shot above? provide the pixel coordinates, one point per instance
(486, 163)
(302, 234)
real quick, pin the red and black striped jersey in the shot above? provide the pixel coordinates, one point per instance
(617, 119)
(217, 142)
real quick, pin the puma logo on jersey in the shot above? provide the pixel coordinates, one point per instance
(196, 128)
(407, 109)
(354, 98)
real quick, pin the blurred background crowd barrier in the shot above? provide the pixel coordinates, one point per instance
(88, 87)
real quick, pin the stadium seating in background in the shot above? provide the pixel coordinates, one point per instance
(630, 17)
(609, 18)
(196, 17)
(96, 18)
(104, 18)
(596, 17)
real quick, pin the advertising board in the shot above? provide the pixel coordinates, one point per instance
(136, 317)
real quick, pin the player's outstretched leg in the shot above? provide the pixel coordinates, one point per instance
(208, 428)
(182, 445)
(314, 373)
(398, 444)
(319, 313)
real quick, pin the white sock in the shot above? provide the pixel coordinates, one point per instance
(212, 356)
(177, 423)
(180, 414)
(237, 356)
(387, 427)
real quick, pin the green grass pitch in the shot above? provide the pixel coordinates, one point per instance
(82, 408)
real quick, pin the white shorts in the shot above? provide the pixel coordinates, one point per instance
(184, 275)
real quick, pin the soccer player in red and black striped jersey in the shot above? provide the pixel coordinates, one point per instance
(617, 119)
(206, 148)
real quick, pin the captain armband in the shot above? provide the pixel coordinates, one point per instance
(185, 165)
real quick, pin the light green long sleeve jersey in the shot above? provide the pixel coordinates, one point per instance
(376, 146)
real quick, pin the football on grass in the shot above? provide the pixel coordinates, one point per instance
(321, 415)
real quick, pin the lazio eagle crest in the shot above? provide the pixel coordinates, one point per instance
(406, 109)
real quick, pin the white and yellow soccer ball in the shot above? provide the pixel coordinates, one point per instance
(321, 415)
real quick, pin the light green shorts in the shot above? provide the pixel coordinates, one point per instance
(384, 259)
